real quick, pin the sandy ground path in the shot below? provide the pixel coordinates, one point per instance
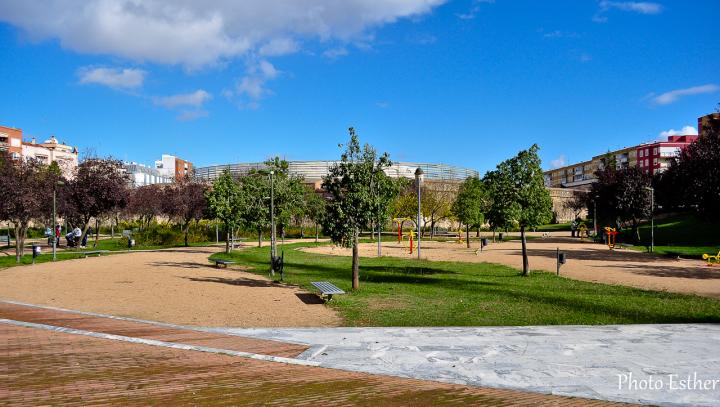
(175, 285)
(586, 261)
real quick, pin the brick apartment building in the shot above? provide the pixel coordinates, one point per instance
(651, 157)
(48, 151)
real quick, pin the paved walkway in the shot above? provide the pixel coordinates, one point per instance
(53, 364)
(585, 261)
(581, 361)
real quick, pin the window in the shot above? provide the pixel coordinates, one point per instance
(641, 153)
(654, 161)
(647, 162)
(655, 151)
(647, 152)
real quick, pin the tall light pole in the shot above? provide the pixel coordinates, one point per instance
(418, 181)
(54, 222)
(595, 198)
(272, 215)
(652, 218)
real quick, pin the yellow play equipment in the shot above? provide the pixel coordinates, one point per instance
(583, 231)
(402, 235)
(611, 236)
(710, 258)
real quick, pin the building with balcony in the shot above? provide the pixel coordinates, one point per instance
(173, 167)
(11, 141)
(141, 175)
(52, 151)
(656, 157)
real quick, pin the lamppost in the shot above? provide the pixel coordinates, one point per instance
(652, 218)
(595, 198)
(54, 222)
(418, 181)
(272, 215)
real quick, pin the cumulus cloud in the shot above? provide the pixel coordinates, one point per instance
(561, 161)
(474, 10)
(685, 131)
(197, 34)
(117, 78)
(251, 88)
(335, 53)
(641, 7)
(193, 99)
(673, 95)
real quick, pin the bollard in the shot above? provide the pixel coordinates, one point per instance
(560, 259)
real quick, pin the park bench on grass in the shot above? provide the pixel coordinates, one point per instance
(94, 252)
(221, 262)
(327, 289)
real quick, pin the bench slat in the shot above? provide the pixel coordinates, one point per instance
(327, 288)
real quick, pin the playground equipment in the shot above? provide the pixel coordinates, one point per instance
(611, 236)
(710, 258)
(583, 231)
(410, 235)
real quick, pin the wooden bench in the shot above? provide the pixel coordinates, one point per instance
(327, 289)
(225, 263)
(94, 252)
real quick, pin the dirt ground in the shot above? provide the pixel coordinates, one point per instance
(585, 261)
(176, 285)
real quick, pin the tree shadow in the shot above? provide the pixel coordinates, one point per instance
(700, 273)
(241, 281)
(180, 264)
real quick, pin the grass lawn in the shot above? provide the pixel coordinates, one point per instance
(685, 235)
(401, 292)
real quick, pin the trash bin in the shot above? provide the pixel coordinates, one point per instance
(131, 242)
(36, 249)
(500, 236)
(484, 241)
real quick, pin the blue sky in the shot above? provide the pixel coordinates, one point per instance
(463, 82)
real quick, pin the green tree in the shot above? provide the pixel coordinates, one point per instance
(226, 202)
(255, 214)
(521, 186)
(471, 204)
(351, 204)
(500, 212)
(314, 209)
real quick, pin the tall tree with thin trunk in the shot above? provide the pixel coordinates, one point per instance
(185, 201)
(520, 184)
(226, 202)
(350, 206)
(471, 204)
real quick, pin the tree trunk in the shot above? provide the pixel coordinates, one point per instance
(477, 234)
(355, 261)
(259, 237)
(493, 235)
(317, 232)
(97, 232)
(432, 227)
(19, 241)
(467, 235)
(526, 265)
(186, 231)
(227, 238)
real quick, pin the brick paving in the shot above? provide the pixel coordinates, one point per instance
(147, 331)
(41, 367)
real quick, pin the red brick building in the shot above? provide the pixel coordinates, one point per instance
(11, 141)
(656, 157)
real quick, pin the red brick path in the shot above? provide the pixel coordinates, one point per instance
(44, 367)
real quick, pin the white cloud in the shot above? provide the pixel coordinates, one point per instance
(672, 96)
(382, 104)
(197, 34)
(561, 161)
(685, 131)
(279, 46)
(641, 7)
(194, 99)
(117, 78)
(474, 10)
(252, 87)
(189, 115)
(634, 6)
(335, 53)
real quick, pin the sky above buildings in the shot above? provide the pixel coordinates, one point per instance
(464, 82)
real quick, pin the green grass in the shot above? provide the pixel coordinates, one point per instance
(685, 235)
(401, 292)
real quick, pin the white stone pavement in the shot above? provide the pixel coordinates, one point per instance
(601, 362)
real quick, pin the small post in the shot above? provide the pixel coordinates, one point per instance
(217, 233)
(557, 260)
